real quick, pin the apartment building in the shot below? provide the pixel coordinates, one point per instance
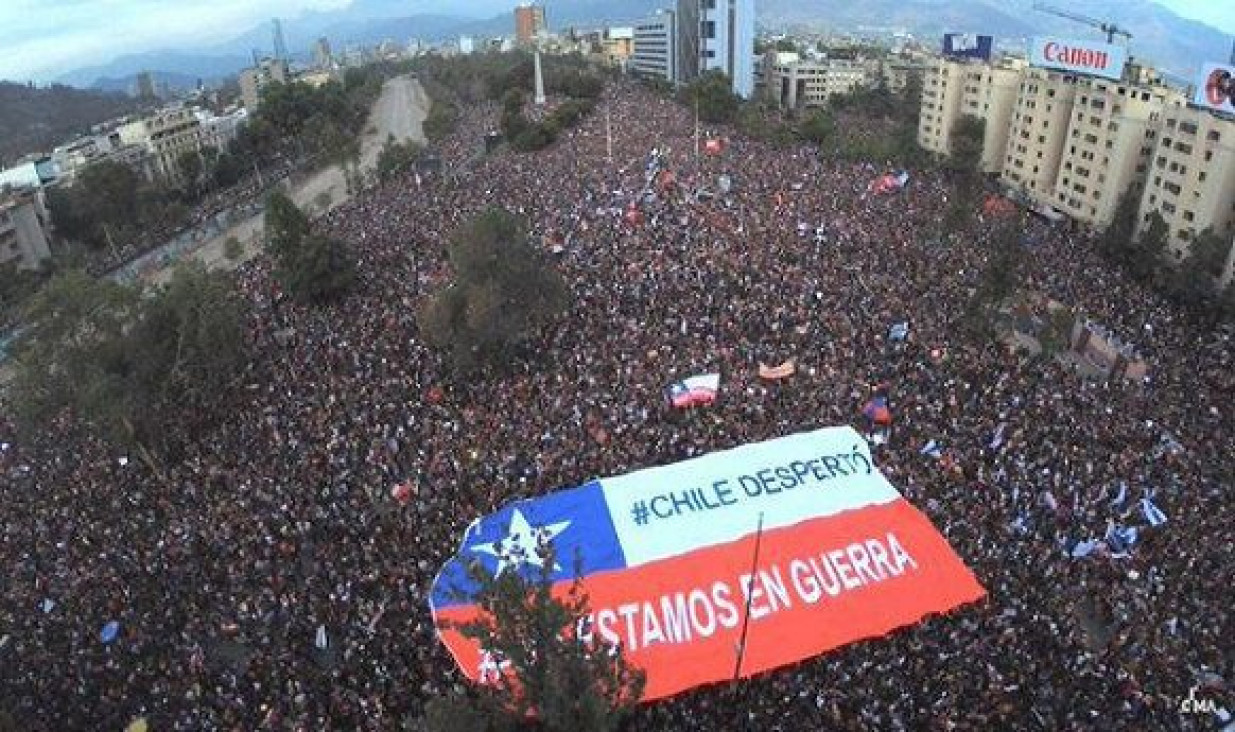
(952, 88)
(1191, 179)
(23, 236)
(1038, 132)
(989, 93)
(1111, 135)
(942, 84)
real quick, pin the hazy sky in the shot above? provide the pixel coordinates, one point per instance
(43, 38)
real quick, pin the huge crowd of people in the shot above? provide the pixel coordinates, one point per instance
(267, 580)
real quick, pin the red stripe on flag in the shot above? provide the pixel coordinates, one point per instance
(821, 584)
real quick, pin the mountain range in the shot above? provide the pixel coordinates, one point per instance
(1160, 36)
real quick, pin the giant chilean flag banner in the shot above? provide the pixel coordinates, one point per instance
(667, 558)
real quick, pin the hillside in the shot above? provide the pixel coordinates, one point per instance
(1160, 36)
(34, 119)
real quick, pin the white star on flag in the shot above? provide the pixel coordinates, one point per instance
(522, 543)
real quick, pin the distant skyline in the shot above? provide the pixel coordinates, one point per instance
(45, 38)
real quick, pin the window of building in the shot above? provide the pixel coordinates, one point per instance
(1184, 148)
(1213, 136)
(1200, 176)
(1188, 128)
(1209, 155)
(1188, 216)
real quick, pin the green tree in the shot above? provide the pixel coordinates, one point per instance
(965, 153)
(227, 170)
(819, 127)
(567, 679)
(286, 225)
(311, 267)
(397, 158)
(712, 94)
(1195, 280)
(1117, 239)
(233, 249)
(319, 270)
(503, 293)
(189, 167)
(134, 368)
(998, 281)
(1147, 258)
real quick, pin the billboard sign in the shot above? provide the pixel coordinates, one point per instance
(801, 538)
(1081, 57)
(1216, 88)
(967, 45)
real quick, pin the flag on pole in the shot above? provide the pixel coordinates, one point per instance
(1153, 514)
(693, 391)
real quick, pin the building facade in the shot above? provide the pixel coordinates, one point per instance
(796, 83)
(953, 88)
(717, 35)
(321, 54)
(1038, 132)
(165, 136)
(1191, 179)
(654, 48)
(23, 230)
(1111, 136)
(942, 84)
(618, 44)
(253, 80)
(529, 22)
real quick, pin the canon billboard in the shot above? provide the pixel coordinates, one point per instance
(1216, 88)
(967, 45)
(1082, 57)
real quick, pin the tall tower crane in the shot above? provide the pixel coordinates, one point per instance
(1110, 29)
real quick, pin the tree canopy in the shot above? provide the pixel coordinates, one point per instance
(502, 294)
(130, 365)
(555, 668)
(713, 93)
(967, 140)
(311, 267)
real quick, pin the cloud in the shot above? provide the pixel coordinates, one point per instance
(42, 38)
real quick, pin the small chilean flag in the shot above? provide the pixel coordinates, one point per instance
(699, 389)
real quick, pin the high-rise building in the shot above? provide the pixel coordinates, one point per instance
(253, 80)
(321, 53)
(655, 47)
(1191, 179)
(1110, 137)
(280, 45)
(1038, 132)
(529, 22)
(145, 85)
(953, 88)
(717, 35)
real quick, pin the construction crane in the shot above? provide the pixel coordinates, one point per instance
(1110, 29)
